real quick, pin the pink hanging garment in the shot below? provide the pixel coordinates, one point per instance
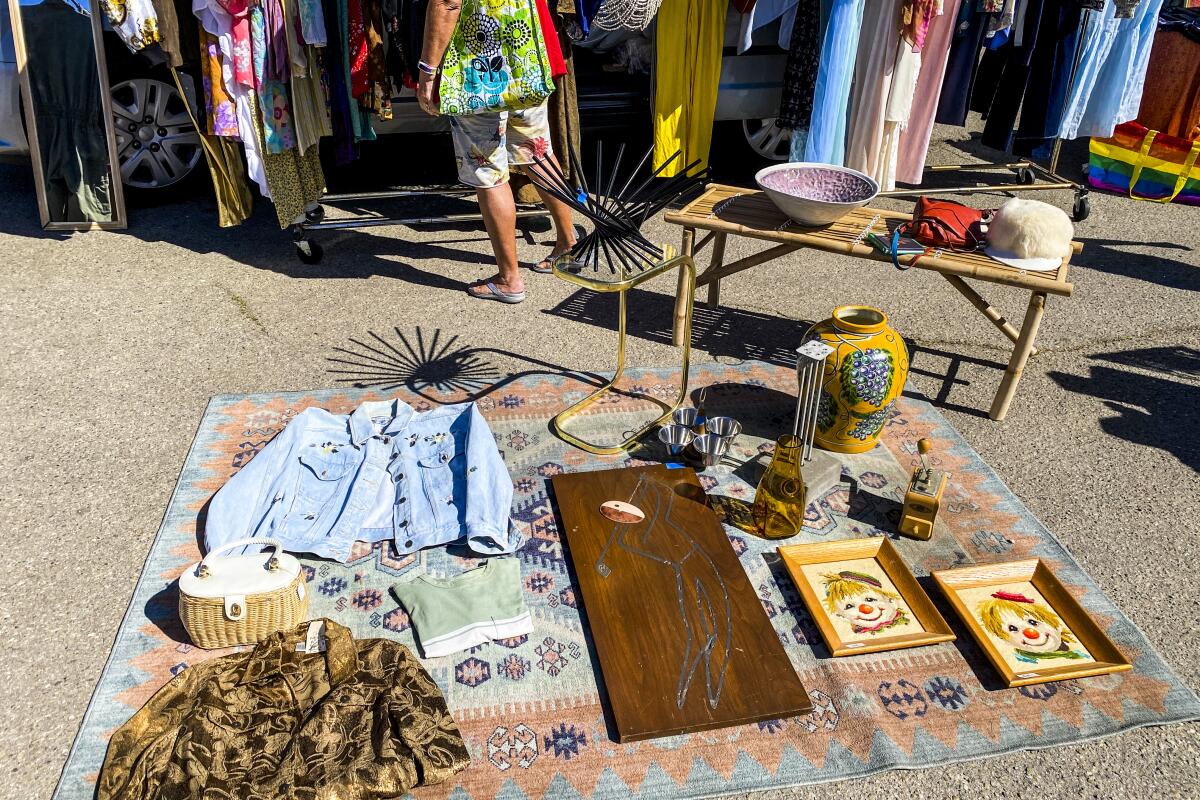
(914, 139)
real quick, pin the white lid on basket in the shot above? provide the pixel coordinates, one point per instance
(217, 576)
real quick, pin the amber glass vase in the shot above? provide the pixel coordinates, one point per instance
(779, 501)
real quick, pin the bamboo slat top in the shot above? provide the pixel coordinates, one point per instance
(750, 212)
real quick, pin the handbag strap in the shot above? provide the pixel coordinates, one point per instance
(1180, 181)
(204, 569)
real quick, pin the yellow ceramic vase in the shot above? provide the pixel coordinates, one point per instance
(862, 378)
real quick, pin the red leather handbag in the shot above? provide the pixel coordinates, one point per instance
(943, 224)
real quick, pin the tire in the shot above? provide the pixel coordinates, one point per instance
(158, 147)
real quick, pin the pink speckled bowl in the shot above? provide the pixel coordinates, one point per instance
(816, 194)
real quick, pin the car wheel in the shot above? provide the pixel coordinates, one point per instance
(767, 139)
(157, 144)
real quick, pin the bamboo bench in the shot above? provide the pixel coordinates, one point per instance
(724, 210)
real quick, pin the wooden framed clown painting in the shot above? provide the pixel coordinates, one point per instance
(1031, 628)
(863, 597)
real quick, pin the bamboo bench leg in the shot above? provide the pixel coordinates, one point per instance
(718, 259)
(681, 326)
(986, 308)
(1020, 356)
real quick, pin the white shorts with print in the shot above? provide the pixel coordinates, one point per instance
(485, 145)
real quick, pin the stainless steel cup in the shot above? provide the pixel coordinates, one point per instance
(710, 448)
(675, 437)
(685, 417)
(727, 428)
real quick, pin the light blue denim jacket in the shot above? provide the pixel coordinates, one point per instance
(383, 472)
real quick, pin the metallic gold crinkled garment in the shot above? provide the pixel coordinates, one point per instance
(360, 721)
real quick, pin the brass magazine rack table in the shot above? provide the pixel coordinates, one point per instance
(621, 282)
(725, 210)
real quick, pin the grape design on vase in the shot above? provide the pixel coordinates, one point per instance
(867, 376)
(868, 427)
(861, 379)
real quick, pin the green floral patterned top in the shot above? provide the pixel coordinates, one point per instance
(496, 60)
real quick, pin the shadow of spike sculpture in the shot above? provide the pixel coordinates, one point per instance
(616, 240)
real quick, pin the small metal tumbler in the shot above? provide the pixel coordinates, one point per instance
(675, 437)
(685, 416)
(711, 448)
(727, 428)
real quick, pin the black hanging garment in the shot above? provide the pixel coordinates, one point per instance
(803, 63)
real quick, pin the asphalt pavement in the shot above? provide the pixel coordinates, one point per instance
(111, 343)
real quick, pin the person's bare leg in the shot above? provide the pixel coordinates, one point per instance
(564, 223)
(500, 218)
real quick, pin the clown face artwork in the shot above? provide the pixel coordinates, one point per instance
(862, 603)
(1019, 617)
(861, 600)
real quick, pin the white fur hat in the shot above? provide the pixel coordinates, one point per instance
(1028, 234)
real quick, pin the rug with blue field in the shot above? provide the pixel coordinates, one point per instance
(530, 707)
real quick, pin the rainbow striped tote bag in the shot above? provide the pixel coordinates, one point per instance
(1146, 164)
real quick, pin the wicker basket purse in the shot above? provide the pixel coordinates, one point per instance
(231, 600)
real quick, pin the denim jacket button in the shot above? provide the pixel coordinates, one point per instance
(402, 500)
(403, 523)
(408, 543)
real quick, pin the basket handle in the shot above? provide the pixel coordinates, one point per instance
(203, 570)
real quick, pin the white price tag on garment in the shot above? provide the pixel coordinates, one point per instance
(314, 641)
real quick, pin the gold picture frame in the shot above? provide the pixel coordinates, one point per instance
(1031, 628)
(855, 574)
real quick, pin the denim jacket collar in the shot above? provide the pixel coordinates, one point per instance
(398, 412)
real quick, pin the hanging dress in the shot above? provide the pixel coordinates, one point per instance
(295, 178)
(879, 45)
(1107, 89)
(824, 140)
(689, 37)
(237, 72)
(914, 140)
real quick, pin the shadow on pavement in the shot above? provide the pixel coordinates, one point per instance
(1104, 255)
(1150, 411)
(721, 332)
(432, 366)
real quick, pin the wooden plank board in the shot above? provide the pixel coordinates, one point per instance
(751, 213)
(682, 639)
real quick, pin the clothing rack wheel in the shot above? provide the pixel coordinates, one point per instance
(307, 250)
(1081, 209)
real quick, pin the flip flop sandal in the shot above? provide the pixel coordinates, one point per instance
(549, 262)
(511, 298)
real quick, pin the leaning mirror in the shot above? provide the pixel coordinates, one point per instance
(67, 113)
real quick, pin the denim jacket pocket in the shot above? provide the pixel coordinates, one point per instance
(321, 473)
(441, 472)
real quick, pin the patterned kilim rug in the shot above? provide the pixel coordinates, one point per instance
(530, 709)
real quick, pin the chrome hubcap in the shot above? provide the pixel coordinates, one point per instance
(767, 138)
(157, 145)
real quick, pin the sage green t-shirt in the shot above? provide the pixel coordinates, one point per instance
(454, 614)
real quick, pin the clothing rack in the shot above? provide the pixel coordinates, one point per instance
(311, 252)
(1027, 170)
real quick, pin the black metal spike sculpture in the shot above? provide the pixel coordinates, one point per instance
(616, 240)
